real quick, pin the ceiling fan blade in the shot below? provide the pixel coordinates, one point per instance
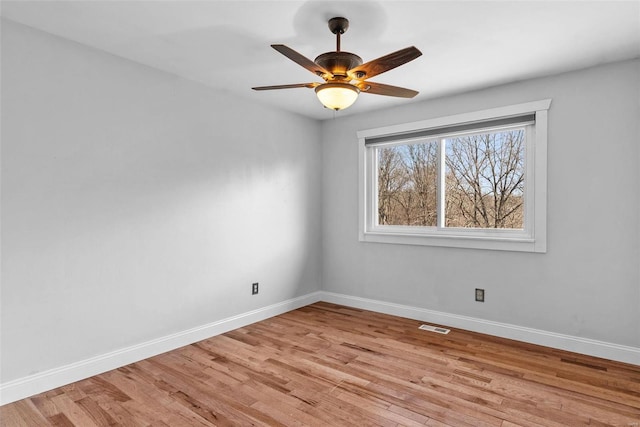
(302, 60)
(384, 63)
(291, 86)
(388, 90)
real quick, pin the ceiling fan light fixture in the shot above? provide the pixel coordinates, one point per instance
(337, 96)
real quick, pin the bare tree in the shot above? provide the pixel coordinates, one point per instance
(485, 180)
(423, 171)
(407, 185)
(391, 179)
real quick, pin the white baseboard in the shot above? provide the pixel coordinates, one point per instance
(586, 346)
(43, 381)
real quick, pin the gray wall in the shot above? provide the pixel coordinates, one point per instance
(136, 204)
(586, 285)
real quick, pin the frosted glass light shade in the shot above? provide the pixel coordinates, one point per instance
(337, 96)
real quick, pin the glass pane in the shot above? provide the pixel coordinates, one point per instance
(485, 180)
(407, 180)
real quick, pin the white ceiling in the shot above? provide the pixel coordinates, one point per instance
(465, 45)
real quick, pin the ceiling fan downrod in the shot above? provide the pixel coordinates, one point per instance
(338, 26)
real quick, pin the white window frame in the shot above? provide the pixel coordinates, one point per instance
(532, 238)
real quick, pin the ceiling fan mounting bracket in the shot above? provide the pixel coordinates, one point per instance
(338, 25)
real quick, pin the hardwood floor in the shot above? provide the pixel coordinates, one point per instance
(328, 365)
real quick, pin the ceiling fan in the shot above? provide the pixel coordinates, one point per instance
(344, 73)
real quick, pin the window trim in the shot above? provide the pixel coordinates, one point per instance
(532, 239)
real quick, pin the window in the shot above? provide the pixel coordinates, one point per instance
(475, 180)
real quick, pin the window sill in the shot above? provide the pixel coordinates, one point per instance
(452, 240)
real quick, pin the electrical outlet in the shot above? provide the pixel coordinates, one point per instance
(254, 288)
(479, 295)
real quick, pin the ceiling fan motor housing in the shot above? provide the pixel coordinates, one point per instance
(338, 63)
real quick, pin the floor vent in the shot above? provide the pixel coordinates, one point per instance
(434, 329)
